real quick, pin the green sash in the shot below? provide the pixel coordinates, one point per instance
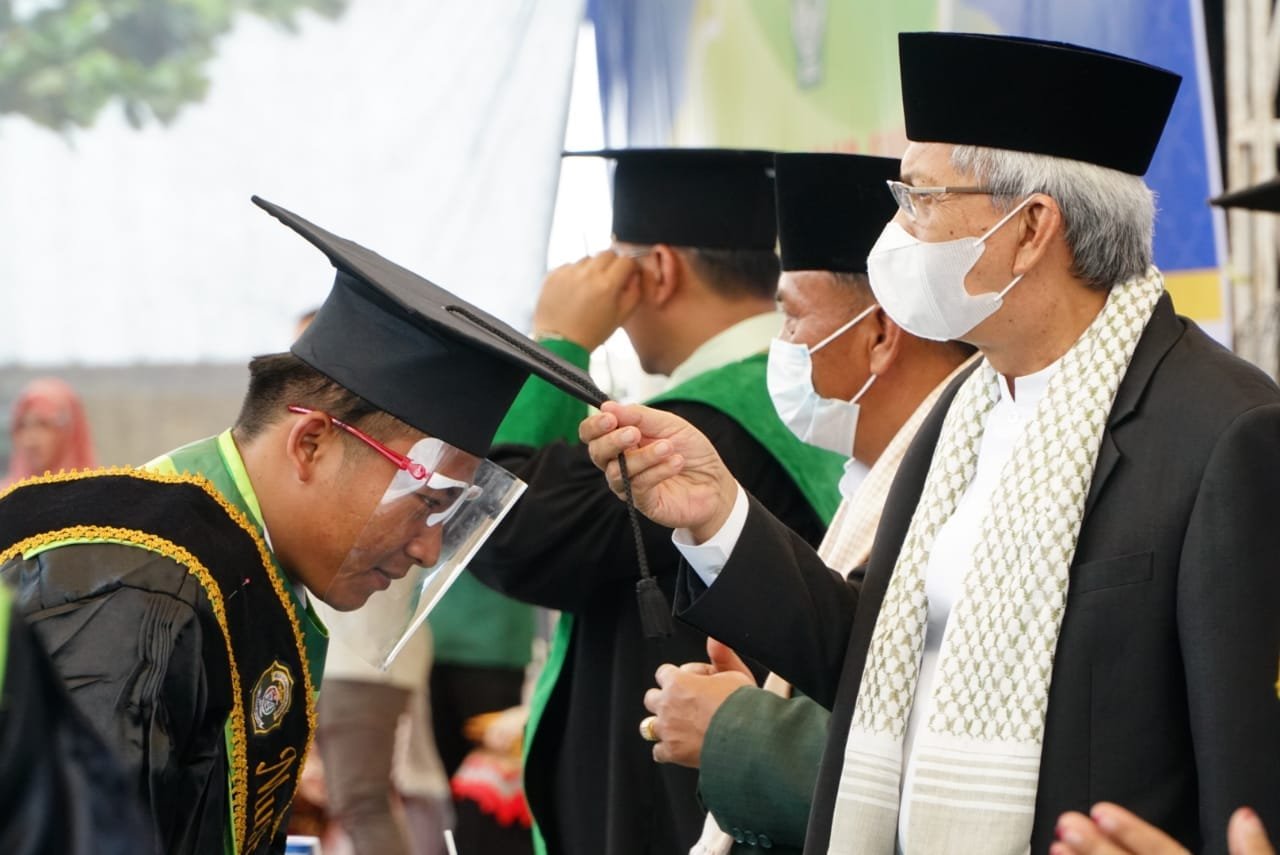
(6, 604)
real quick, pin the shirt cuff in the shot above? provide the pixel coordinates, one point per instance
(708, 559)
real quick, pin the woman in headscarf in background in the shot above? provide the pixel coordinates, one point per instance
(48, 431)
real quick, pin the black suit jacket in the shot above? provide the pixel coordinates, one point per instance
(1164, 694)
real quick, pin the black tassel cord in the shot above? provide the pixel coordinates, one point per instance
(655, 611)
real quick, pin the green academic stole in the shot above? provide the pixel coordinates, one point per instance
(184, 518)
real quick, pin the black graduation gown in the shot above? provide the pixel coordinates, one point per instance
(60, 788)
(1164, 695)
(590, 779)
(131, 634)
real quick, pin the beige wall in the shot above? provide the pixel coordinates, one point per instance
(137, 412)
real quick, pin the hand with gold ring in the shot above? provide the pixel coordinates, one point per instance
(682, 705)
(646, 728)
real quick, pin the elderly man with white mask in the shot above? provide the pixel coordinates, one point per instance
(1073, 593)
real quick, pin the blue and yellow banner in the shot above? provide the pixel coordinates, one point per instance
(823, 75)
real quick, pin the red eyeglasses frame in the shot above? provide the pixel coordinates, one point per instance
(403, 463)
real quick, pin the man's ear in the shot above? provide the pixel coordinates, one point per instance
(884, 341)
(310, 439)
(666, 276)
(1038, 228)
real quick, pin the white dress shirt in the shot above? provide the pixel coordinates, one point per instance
(951, 558)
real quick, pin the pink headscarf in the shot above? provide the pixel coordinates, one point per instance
(58, 403)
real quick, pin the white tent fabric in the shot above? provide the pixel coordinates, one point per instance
(428, 131)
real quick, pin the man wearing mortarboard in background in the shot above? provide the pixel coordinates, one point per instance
(691, 279)
(842, 376)
(1073, 590)
(174, 599)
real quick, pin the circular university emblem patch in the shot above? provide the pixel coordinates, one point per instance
(272, 696)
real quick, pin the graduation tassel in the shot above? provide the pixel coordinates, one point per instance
(655, 611)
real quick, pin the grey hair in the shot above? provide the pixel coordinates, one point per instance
(1109, 216)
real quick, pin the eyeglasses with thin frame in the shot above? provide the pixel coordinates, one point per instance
(906, 195)
(406, 464)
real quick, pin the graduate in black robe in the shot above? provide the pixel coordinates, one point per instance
(182, 629)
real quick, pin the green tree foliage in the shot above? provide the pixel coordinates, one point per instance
(61, 61)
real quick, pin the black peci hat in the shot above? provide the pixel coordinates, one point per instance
(414, 350)
(832, 208)
(695, 197)
(1259, 197)
(1035, 96)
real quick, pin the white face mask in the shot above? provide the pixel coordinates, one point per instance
(824, 422)
(921, 285)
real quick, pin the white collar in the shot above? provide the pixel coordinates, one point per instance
(1030, 389)
(745, 338)
(855, 472)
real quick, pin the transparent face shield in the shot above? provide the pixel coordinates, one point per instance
(438, 510)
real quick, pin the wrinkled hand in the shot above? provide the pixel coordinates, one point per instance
(686, 699)
(677, 478)
(1112, 830)
(587, 300)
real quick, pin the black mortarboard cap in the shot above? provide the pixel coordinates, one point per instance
(705, 198)
(832, 208)
(1259, 197)
(414, 350)
(1035, 96)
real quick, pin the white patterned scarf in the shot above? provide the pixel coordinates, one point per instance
(979, 749)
